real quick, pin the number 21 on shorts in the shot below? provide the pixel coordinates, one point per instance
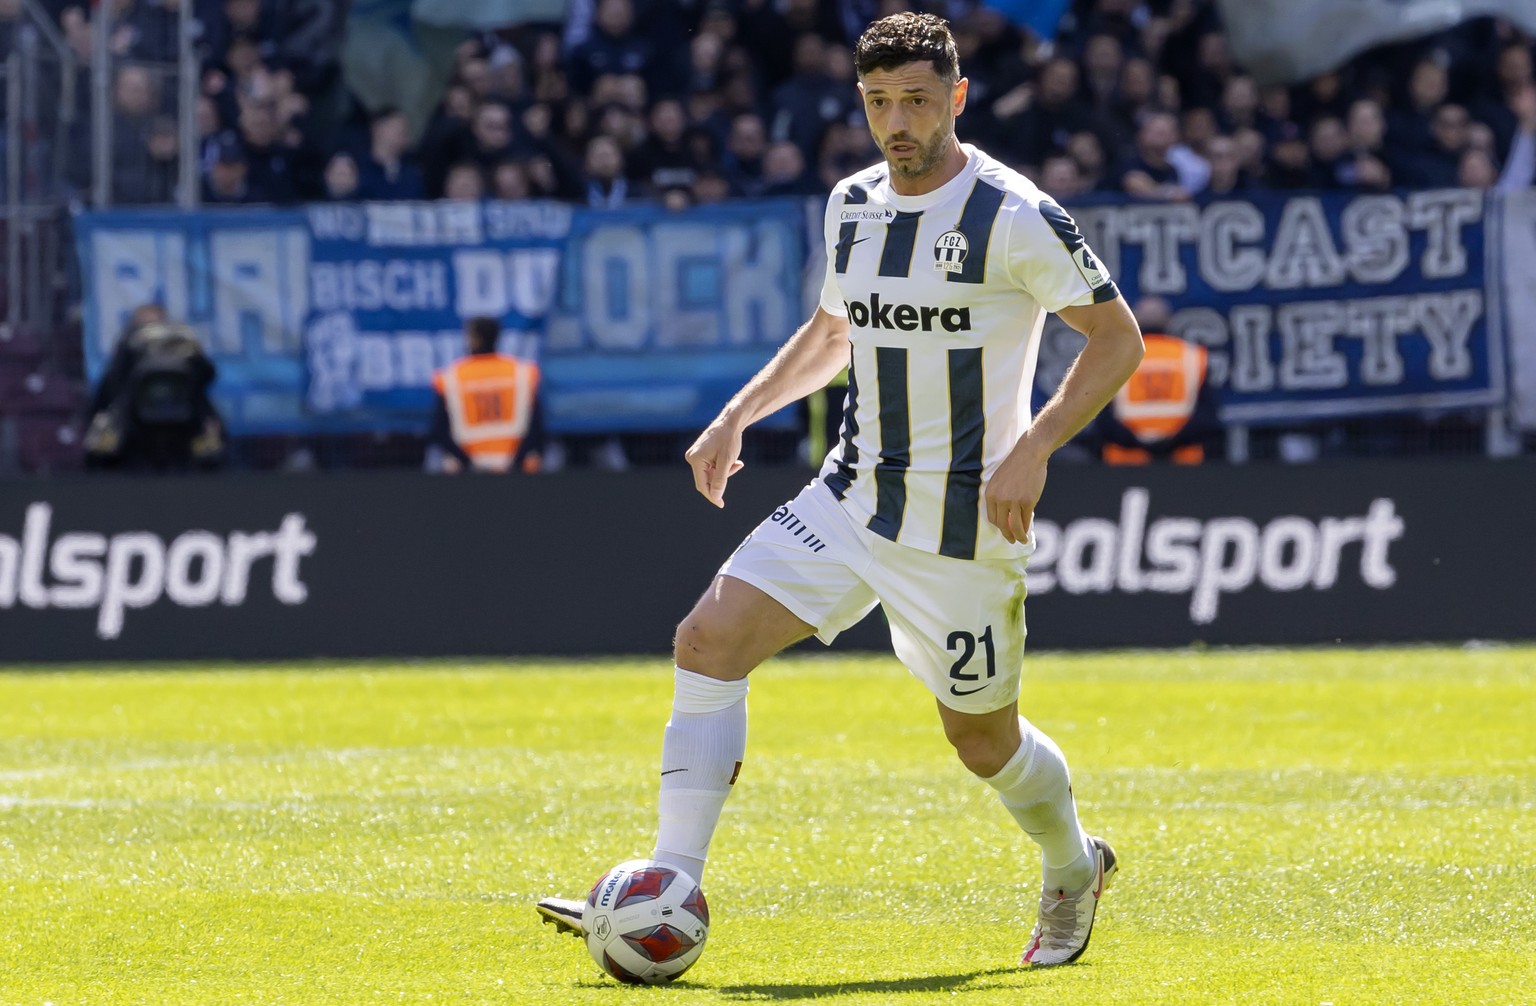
(964, 644)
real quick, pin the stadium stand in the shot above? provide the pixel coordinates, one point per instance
(611, 102)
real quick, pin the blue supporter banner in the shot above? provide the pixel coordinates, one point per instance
(333, 317)
(240, 278)
(1318, 305)
(390, 285)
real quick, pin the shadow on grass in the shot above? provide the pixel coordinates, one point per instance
(925, 983)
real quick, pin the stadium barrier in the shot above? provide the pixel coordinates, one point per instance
(401, 564)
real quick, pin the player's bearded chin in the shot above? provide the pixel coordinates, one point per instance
(928, 154)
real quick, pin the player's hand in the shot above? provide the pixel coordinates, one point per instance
(1013, 491)
(715, 457)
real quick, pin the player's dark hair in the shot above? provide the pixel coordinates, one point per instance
(908, 38)
(482, 334)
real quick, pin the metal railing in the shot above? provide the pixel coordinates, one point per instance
(143, 118)
(40, 77)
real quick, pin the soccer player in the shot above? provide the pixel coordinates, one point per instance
(941, 265)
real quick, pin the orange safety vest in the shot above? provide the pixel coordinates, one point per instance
(1159, 399)
(490, 405)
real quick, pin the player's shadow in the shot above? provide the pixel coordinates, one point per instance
(926, 983)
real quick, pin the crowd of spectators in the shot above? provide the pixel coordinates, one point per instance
(684, 103)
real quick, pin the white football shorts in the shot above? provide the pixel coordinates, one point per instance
(957, 624)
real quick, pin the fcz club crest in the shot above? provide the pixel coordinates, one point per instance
(949, 252)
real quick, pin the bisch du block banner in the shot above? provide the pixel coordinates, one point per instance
(333, 317)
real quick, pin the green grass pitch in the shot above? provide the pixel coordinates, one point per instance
(1294, 827)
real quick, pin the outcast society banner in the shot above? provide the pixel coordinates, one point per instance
(334, 316)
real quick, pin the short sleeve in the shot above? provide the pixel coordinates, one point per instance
(831, 292)
(1049, 258)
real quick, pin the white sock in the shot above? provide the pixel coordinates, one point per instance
(701, 754)
(1037, 791)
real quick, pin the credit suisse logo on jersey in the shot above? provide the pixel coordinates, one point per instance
(907, 317)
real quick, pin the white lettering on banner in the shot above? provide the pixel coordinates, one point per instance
(527, 220)
(375, 360)
(479, 283)
(1304, 254)
(1208, 559)
(488, 282)
(1441, 215)
(755, 262)
(136, 569)
(1205, 326)
(1251, 369)
(723, 285)
(1224, 263)
(417, 224)
(374, 285)
(1447, 321)
(130, 268)
(1161, 231)
(337, 221)
(330, 345)
(1308, 358)
(345, 363)
(1236, 250)
(1375, 240)
(678, 250)
(616, 279)
(260, 289)
(1313, 333)
(1377, 324)
(416, 359)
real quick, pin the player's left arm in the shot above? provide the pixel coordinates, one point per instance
(1112, 354)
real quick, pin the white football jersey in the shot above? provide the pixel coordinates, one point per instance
(945, 296)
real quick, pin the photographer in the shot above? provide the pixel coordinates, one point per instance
(151, 410)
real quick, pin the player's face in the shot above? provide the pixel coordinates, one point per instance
(911, 112)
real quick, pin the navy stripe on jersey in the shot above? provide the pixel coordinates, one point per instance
(895, 442)
(846, 232)
(900, 238)
(1087, 263)
(976, 221)
(840, 479)
(967, 430)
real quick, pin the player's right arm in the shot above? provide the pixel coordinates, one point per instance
(816, 353)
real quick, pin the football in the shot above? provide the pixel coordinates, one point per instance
(646, 922)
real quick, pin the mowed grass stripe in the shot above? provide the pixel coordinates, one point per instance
(1296, 826)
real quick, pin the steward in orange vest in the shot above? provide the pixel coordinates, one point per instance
(1165, 412)
(487, 415)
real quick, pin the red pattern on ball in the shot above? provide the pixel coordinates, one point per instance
(697, 906)
(645, 884)
(661, 943)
